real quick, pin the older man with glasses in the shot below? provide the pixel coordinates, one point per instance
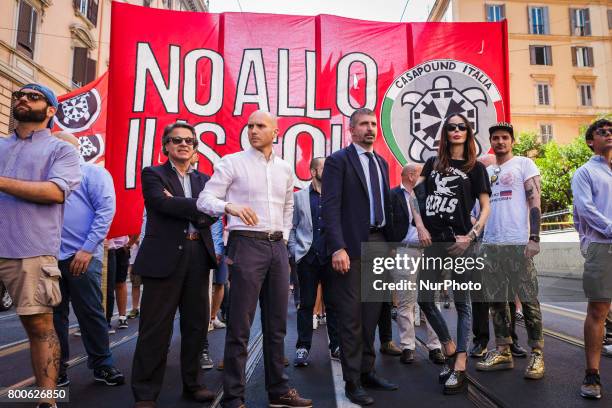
(174, 261)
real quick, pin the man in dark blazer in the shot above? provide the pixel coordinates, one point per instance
(174, 261)
(356, 209)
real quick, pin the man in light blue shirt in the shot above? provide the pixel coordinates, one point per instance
(88, 215)
(592, 190)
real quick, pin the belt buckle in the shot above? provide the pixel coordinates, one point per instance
(270, 236)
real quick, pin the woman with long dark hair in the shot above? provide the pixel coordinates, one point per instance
(454, 180)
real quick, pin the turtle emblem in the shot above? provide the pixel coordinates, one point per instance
(418, 101)
(429, 110)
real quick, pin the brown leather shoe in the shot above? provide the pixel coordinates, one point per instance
(390, 349)
(145, 404)
(201, 394)
(290, 400)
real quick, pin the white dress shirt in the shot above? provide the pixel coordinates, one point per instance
(365, 164)
(412, 236)
(247, 178)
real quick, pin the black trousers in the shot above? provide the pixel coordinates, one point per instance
(186, 289)
(385, 331)
(259, 270)
(480, 322)
(309, 275)
(356, 320)
(117, 263)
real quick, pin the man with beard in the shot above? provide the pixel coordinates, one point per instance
(356, 209)
(37, 173)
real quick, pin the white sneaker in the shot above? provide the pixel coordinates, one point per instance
(218, 324)
(607, 350)
(315, 322)
(210, 326)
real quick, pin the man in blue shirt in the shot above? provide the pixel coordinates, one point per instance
(592, 190)
(37, 174)
(88, 214)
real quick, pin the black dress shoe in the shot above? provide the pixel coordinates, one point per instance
(371, 380)
(201, 394)
(436, 356)
(518, 351)
(357, 395)
(407, 356)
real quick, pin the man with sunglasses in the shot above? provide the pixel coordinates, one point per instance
(174, 262)
(37, 173)
(511, 240)
(592, 190)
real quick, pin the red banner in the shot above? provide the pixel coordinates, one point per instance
(82, 112)
(213, 70)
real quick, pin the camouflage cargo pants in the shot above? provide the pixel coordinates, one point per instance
(508, 274)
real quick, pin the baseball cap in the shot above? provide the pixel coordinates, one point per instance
(507, 126)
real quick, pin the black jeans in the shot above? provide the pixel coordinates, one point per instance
(309, 275)
(118, 261)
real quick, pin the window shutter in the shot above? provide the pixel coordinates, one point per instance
(76, 4)
(503, 11)
(590, 55)
(532, 58)
(488, 13)
(33, 21)
(545, 22)
(587, 22)
(79, 66)
(92, 12)
(548, 51)
(609, 19)
(574, 51)
(91, 71)
(530, 20)
(572, 21)
(23, 33)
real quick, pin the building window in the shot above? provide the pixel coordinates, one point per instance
(546, 132)
(88, 8)
(543, 94)
(495, 12)
(26, 28)
(609, 19)
(146, 3)
(538, 20)
(580, 22)
(540, 55)
(582, 57)
(586, 94)
(83, 68)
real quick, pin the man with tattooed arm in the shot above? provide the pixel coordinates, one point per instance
(511, 240)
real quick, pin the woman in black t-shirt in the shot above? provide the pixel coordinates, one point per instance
(454, 180)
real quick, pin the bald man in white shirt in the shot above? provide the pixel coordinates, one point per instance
(255, 189)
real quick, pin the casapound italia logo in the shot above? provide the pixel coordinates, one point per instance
(416, 103)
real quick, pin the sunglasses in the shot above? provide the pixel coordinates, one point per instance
(603, 132)
(178, 140)
(30, 96)
(452, 126)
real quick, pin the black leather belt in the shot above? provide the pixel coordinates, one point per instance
(193, 236)
(266, 236)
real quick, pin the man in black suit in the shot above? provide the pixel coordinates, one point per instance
(356, 209)
(174, 262)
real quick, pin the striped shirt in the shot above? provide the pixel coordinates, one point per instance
(29, 229)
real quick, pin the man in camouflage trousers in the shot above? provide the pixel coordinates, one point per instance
(511, 240)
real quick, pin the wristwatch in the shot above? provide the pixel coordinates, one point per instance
(534, 238)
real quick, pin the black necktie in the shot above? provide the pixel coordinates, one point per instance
(375, 186)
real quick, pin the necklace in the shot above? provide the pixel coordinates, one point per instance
(495, 175)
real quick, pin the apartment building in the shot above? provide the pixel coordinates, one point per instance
(560, 59)
(60, 43)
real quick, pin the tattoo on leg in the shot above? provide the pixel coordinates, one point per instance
(50, 367)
